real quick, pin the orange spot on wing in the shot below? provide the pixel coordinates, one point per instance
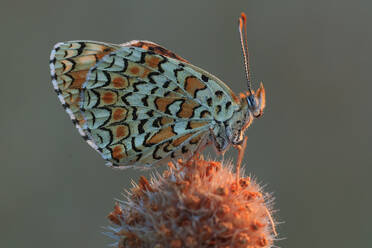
(119, 82)
(192, 85)
(196, 124)
(187, 109)
(196, 139)
(103, 53)
(134, 70)
(179, 91)
(166, 120)
(79, 78)
(158, 49)
(152, 61)
(145, 73)
(206, 114)
(74, 99)
(119, 114)
(163, 102)
(87, 61)
(67, 66)
(181, 139)
(118, 152)
(234, 97)
(161, 135)
(121, 131)
(81, 121)
(74, 45)
(108, 97)
(70, 53)
(172, 94)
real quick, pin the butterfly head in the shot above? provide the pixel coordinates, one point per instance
(252, 106)
(256, 102)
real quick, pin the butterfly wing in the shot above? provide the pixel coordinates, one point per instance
(138, 107)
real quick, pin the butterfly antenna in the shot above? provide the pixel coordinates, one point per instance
(244, 43)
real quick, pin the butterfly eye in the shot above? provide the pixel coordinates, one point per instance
(251, 102)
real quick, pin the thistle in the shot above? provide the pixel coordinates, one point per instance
(194, 204)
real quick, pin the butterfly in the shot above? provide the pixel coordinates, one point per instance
(138, 103)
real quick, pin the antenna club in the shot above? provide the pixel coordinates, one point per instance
(243, 17)
(240, 24)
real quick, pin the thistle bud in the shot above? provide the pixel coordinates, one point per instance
(194, 204)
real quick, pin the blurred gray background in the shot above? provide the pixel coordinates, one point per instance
(312, 148)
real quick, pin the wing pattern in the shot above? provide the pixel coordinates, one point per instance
(135, 106)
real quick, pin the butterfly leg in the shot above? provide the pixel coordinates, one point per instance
(241, 149)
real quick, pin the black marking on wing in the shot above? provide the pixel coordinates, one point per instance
(139, 156)
(205, 78)
(166, 147)
(112, 62)
(53, 61)
(124, 98)
(147, 136)
(108, 77)
(228, 104)
(167, 110)
(142, 59)
(125, 65)
(144, 101)
(73, 64)
(138, 83)
(156, 123)
(153, 74)
(81, 48)
(209, 102)
(166, 84)
(164, 60)
(184, 149)
(58, 91)
(141, 130)
(134, 113)
(134, 145)
(98, 98)
(175, 71)
(109, 117)
(218, 109)
(155, 151)
(219, 93)
(154, 90)
(150, 113)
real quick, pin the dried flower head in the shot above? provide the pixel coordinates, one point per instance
(194, 204)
